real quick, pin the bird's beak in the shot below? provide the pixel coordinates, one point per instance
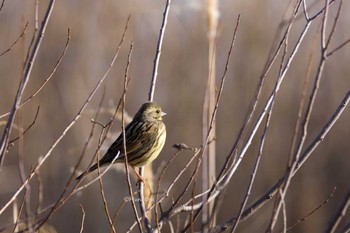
(163, 114)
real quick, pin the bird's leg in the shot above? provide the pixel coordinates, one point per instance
(139, 177)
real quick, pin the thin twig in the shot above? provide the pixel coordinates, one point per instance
(340, 214)
(117, 211)
(302, 100)
(150, 98)
(158, 185)
(18, 215)
(82, 219)
(22, 173)
(53, 70)
(127, 174)
(40, 192)
(48, 78)
(159, 50)
(305, 11)
(256, 165)
(28, 128)
(18, 38)
(105, 206)
(338, 47)
(324, 131)
(334, 26)
(36, 29)
(313, 211)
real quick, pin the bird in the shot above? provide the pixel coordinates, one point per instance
(145, 137)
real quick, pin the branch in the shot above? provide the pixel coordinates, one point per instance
(78, 115)
(340, 214)
(159, 50)
(6, 134)
(19, 37)
(28, 128)
(127, 174)
(82, 219)
(62, 199)
(313, 211)
(305, 155)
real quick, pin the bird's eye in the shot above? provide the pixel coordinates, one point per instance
(158, 111)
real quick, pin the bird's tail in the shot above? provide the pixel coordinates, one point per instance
(92, 168)
(81, 176)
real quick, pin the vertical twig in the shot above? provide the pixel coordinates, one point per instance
(22, 172)
(117, 211)
(105, 205)
(209, 160)
(40, 192)
(127, 175)
(159, 50)
(82, 219)
(150, 98)
(302, 99)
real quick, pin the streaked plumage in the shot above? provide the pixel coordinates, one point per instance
(145, 137)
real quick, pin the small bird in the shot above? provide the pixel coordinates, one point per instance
(145, 137)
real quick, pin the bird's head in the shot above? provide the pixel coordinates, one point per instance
(150, 111)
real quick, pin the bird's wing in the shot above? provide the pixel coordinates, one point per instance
(134, 139)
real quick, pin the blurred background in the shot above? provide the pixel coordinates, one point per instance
(96, 29)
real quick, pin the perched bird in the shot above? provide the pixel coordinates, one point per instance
(145, 137)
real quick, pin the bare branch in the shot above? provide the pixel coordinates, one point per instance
(159, 50)
(305, 155)
(103, 197)
(313, 211)
(127, 174)
(18, 38)
(256, 165)
(117, 211)
(52, 72)
(340, 214)
(338, 47)
(82, 219)
(7, 131)
(28, 128)
(76, 118)
(334, 24)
